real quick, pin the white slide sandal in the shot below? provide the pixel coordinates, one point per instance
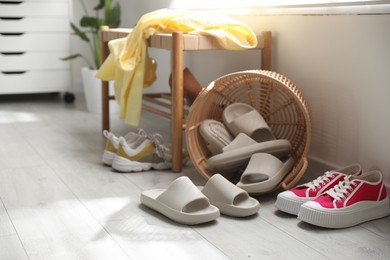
(237, 154)
(182, 202)
(243, 118)
(228, 198)
(215, 134)
(264, 172)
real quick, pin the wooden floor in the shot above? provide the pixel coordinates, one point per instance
(57, 201)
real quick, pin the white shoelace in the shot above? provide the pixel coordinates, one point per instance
(321, 180)
(342, 189)
(158, 141)
(141, 132)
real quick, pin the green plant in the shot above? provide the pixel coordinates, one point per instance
(89, 31)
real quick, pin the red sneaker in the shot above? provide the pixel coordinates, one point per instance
(290, 201)
(353, 201)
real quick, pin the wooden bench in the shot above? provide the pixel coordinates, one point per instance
(173, 102)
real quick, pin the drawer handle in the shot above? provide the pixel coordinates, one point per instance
(13, 53)
(12, 18)
(11, 2)
(12, 34)
(14, 72)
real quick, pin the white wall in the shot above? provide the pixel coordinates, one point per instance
(340, 62)
(342, 65)
(78, 46)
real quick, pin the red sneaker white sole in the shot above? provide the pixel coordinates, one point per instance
(355, 200)
(311, 212)
(290, 201)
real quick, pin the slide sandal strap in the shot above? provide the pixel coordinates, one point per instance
(180, 193)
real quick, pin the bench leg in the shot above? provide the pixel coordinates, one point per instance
(177, 101)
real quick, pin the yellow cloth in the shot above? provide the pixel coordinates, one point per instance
(131, 68)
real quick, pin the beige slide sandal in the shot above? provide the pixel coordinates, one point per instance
(264, 172)
(228, 198)
(182, 202)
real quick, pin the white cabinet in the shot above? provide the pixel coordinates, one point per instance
(34, 35)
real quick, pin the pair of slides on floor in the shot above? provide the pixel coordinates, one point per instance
(185, 203)
(245, 143)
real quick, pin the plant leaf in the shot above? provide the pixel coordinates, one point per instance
(99, 6)
(79, 33)
(89, 22)
(96, 47)
(113, 16)
(71, 57)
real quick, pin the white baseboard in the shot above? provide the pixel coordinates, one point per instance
(317, 167)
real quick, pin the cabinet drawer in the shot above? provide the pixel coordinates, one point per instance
(35, 82)
(19, 1)
(34, 24)
(34, 8)
(34, 42)
(33, 61)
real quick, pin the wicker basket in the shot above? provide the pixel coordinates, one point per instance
(277, 99)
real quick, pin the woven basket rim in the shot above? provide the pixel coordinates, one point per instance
(280, 86)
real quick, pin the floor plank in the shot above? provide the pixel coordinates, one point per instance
(6, 227)
(380, 227)
(50, 221)
(361, 244)
(11, 248)
(254, 238)
(57, 201)
(155, 237)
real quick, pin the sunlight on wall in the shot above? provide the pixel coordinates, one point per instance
(289, 7)
(203, 4)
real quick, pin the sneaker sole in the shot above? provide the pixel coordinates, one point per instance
(108, 157)
(121, 164)
(347, 217)
(290, 205)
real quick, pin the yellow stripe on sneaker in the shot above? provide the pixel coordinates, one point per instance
(110, 147)
(147, 150)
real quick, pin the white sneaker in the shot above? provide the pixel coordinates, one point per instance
(112, 143)
(142, 155)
